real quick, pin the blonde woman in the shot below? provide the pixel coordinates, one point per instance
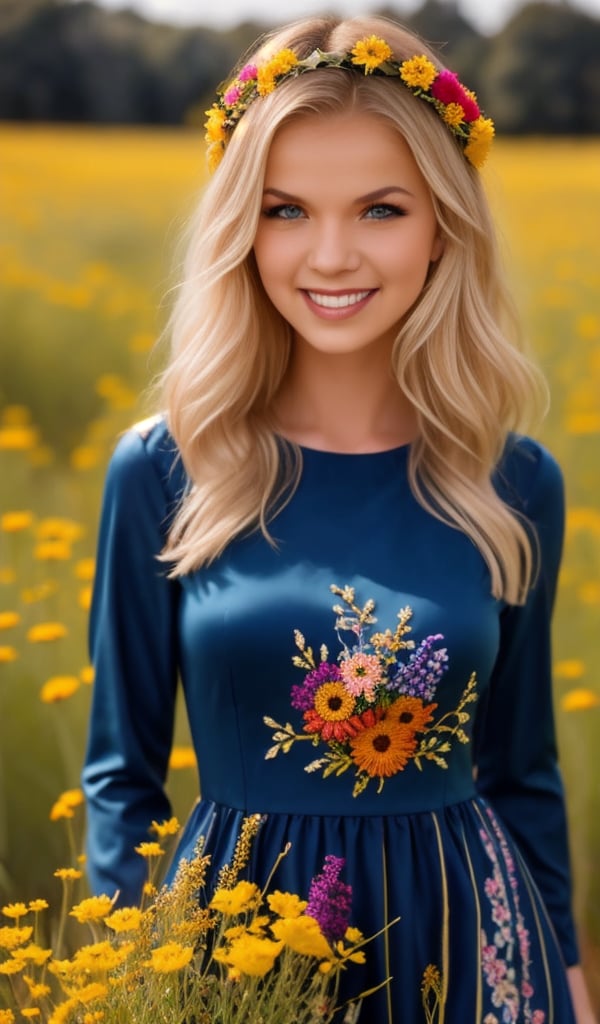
(337, 536)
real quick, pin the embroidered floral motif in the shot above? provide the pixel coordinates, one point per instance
(500, 973)
(374, 710)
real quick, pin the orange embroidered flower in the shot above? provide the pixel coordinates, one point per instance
(411, 713)
(384, 749)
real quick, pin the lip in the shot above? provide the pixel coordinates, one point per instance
(357, 299)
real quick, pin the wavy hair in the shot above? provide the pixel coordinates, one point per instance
(458, 356)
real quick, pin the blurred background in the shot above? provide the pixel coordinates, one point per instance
(101, 161)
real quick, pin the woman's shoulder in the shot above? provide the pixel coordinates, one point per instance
(528, 477)
(145, 449)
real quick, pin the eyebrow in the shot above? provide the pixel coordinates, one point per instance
(369, 197)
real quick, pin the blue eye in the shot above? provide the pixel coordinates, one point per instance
(286, 211)
(383, 211)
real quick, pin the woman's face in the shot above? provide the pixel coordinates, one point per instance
(347, 231)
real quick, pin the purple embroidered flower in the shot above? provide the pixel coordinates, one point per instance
(248, 72)
(423, 670)
(302, 697)
(329, 900)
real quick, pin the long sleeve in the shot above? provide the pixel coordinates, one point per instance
(134, 651)
(516, 751)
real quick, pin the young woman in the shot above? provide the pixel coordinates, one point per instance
(336, 536)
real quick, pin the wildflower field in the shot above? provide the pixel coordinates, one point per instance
(89, 225)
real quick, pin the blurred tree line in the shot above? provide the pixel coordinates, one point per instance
(77, 62)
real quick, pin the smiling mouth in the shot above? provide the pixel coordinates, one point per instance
(338, 301)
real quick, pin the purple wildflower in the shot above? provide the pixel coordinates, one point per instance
(423, 670)
(303, 696)
(329, 900)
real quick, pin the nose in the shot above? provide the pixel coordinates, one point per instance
(332, 249)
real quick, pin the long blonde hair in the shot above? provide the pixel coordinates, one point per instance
(458, 356)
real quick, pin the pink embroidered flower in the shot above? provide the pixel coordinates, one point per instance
(361, 674)
(526, 990)
(447, 89)
(491, 887)
(539, 1017)
(248, 72)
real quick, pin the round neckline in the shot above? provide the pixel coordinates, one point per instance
(326, 452)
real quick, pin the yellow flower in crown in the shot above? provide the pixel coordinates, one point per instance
(418, 72)
(480, 139)
(279, 65)
(371, 52)
(453, 114)
(214, 125)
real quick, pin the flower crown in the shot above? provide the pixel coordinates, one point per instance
(456, 105)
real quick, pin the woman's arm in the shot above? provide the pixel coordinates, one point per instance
(584, 1013)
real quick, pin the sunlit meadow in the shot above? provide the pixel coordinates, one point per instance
(89, 225)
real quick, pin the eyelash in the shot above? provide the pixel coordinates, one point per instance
(276, 212)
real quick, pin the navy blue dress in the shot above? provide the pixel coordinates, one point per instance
(426, 725)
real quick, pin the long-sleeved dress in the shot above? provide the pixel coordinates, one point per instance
(431, 763)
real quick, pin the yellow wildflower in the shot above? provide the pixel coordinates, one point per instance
(7, 1017)
(100, 956)
(52, 551)
(279, 65)
(59, 528)
(453, 114)
(84, 598)
(85, 569)
(37, 990)
(569, 668)
(8, 654)
(34, 953)
(14, 522)
(31, 1011)
(85, 456)
(10, 938)
(244, 896)
(37, 905)
(90, 993)
(182, 757)
(149, 889)
(286, 904)
(68, 874)
(72, 797)
(15, 910)
(61, 810)
(303, 935)
(87, 675)
(10, 967)
(418, 72)
(17, 438)
(62, 1012)
(59, 688)
(93, 1017)
(371, 52)
(170, 957)
(253, 955)
(126, 919)
(46, 632)
(166, 828)
(149, 850)
(580, 699)
(8, 620)
(481, 135)
(95, 908)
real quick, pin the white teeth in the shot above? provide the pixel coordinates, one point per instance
(338, 301)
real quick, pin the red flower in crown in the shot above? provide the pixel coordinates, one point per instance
(447, 89)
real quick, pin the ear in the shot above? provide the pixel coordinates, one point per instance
(437, 248)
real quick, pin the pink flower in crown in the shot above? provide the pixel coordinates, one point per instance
(447, 89)
(232, 95)
(248, 72)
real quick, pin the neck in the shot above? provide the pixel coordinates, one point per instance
(344, 403)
